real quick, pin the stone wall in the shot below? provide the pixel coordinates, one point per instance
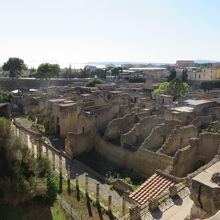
(76, 144)
(202, 121)
(174, 115)
(200, 151)
(120, 126)
(185, 160)
(106, 115)
(178, 138)
(215, 111)
(208, 146)
(140, 131)
(205, 197)
(11, 84)
(142, 161)
(158, 135)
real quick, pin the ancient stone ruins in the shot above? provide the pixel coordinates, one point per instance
(173, 146)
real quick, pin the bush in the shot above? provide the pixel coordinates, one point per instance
(93, 82)
(43, 167)
(5, 96)
(21, 175)
(51, 191)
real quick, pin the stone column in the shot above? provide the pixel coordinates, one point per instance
(109, 203)
(86, 183)
(47, 154)
(173, 191)
(53, 161)
(68, 180)
(97, 192)
(153, 204)
(60, 163)
(123, 206)
(77, 182)
(39, 148)
(32, 146)
(135, 213)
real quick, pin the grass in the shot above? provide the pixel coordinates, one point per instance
(57, 212)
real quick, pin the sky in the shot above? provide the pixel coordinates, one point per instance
(77, 31)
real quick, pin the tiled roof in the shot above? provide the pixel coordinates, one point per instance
(151, 188)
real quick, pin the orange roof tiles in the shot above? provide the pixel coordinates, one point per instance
(151, 188)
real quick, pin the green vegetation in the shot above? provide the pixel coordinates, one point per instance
(93, 82)
(57, 212)
(15, 66)
(22, 177)
(47, 71)
(184, 76)
(172, 75)
(5, 96)
(176, 88)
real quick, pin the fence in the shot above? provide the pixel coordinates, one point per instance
(73, 213)
(60, 163)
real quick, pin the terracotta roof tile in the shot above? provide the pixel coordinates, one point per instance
(151, 188)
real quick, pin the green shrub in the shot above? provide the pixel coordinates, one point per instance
(93, 82)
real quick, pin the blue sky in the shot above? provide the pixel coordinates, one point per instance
(68, 31)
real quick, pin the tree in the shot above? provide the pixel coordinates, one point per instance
(68, 72)
(15, 66)
(47, 71)
(175, 88)
(100, 73)
(172, 75)
(116, 70)
(162, 89)
(184, 76)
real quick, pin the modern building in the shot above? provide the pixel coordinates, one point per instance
(185, 63)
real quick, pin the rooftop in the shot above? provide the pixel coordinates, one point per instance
(197, 102)
(151, 188)
(56, 100)
(183, 109)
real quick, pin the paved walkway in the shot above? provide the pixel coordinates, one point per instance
(178, 211)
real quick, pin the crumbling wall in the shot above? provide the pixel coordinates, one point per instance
(120, 126)
(68, 118)
(76, 144)
(106, 115)
(143, 161)
(86, 122)
(159, 134)
(215, 111)
(178, 138)
(185, 159)
(140, 131)
(202, 121)
(174, 115)
(200, 151)
(208, 145)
